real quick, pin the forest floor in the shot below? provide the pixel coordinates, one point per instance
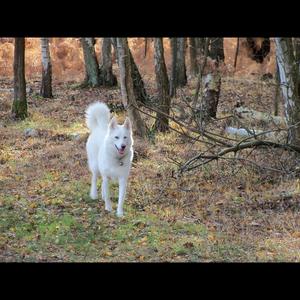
(224, 211)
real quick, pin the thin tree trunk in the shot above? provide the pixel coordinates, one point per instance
(200, 75)
(180, 67)
(127, 89)
(173, 75)
(162, 82)
(19, 107)
(236, 53)
(217, 49)
(146, 47)
(91, 63)
(193, 57)
(289, 81)
(211, 93)
(138, 83)
(106, 76)
(46, 87)
(115, 53)
(277, 91)
(200, 45)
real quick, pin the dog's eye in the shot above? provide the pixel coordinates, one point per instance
(116, 137)
(125, 137)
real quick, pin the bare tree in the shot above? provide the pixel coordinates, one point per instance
(217, 49)
(107, 78)
(138, 83)
(162, 82)
(91, 64)
(19, 107)
(193, 57)
(180, 67)
(46, 86)
(127, 89)
(288, 67)
(173, 75)
(211, 94)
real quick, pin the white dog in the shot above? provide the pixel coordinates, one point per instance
(109, 151)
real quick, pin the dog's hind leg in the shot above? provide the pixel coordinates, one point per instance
(105, 193)
(122, 191)
(94, 192)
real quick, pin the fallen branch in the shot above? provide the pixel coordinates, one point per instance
(257, 143)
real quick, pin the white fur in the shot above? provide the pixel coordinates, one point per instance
(103, 152)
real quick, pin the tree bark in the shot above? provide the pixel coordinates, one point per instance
(217, 49)
(91, 63)
(180, 68)
(193, 57)
(210, 99)
(200, 45)
(106, 76)
(138, 83)
(236, 52)
(127, 87)
(173, 75)
(19, 107)
(46, 87)
(289, 79)
(162, 82)
(277, 91)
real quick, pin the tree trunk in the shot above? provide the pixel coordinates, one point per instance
(236, 52)
(200, 45)
(115, 52)
(19, 107)
(46, 87)
(180, 68)
(138, 83)
(193, 57)
(289, 79)
(210, 99)
(106, 76)
(91, 63)
(127, 89)
(217, 49)
(277, 91)
(162, 82)
(173, 75)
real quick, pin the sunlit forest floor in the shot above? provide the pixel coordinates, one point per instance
(224, 211)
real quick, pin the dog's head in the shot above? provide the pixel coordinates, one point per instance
(121, 135)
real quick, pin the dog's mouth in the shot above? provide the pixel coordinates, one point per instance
(120, 150)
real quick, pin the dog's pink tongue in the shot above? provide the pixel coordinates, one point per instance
(121, 151)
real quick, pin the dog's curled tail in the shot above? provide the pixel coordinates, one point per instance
(97, 115)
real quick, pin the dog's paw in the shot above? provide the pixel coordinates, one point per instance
(94, 196)
(120, 214)
(108, 208)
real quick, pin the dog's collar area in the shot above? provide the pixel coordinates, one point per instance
(121, 163)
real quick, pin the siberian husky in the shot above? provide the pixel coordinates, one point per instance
(109, 151)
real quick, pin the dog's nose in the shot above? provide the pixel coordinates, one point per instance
(123, 147)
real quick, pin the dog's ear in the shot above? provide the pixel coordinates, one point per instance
(113, 123)
(127, 123)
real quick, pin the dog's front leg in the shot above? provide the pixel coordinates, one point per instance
(93, 192)
(105, 193)
(122, 191)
